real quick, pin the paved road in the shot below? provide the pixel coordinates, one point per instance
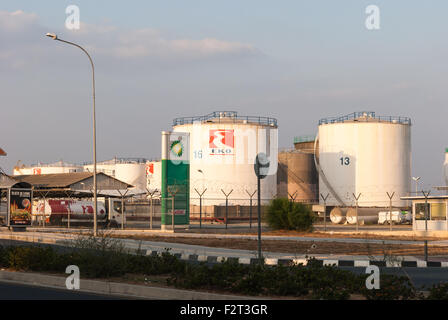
(13, 291)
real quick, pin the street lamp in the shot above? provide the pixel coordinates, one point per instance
(416, 184)
(95, 205)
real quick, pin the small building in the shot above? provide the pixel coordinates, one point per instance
(429, 214)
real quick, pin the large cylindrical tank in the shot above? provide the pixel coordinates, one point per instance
(365, 215)
(132, 173)
(364, 155)
(337, 215)
(51, 168)
(154, 175)
(297, 176)
(223, 147)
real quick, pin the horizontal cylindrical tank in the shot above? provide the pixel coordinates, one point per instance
(365, 215)
(338, 215)
(77, 209)
(297, 176)
(223, 147)
(366, 156)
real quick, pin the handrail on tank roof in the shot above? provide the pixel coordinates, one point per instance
(308, 138)
(365, 116)
(225, 115)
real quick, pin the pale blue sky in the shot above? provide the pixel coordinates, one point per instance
(297, 61)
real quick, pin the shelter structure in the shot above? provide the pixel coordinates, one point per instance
(429, 213)
(74, 185)
(15, 202)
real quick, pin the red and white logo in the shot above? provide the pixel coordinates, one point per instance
(37, 171)
(149, 169)
(221, 142)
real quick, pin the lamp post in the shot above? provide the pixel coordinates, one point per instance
(95, 203)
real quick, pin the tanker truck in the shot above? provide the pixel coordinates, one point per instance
(60, 212)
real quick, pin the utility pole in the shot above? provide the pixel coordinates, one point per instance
(95, 202)
(426, 195)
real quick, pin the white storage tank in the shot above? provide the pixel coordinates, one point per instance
(129, 170)
(223, 147)
(365, 154)
(154, 175)
(133, 173)
(46, 168)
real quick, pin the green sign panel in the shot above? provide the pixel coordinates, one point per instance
(175, 179)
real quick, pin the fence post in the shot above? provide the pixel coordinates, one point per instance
(227, 204)
(151, 209)
(200, 205)
(357, 198)
(122, 206)
(325, 209)
(172, 192)
(250, 208)
(390, 208)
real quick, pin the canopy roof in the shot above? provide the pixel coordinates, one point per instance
(75, 184)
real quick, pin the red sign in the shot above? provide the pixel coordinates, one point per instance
(221, 142)
(37, 171)
(149, 169)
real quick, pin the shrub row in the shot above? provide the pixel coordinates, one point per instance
(311, 281)
(288, 215)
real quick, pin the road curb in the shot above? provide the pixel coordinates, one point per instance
(115, 288)
(245, 260)
(325, 262)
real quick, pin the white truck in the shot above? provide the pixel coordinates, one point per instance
(398, 217)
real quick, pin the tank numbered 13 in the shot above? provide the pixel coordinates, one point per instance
(345, 161)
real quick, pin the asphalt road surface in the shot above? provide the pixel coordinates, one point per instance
(13, 291)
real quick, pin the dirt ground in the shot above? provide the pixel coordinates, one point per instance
(301, 247)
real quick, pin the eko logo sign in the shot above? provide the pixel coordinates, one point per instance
(149, 169)
(221, 142)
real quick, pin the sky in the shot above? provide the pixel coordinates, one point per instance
(297, 61)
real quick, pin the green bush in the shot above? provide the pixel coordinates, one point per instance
(33, 259)
(391, 288)
(438, 292)
(312, 280)
(284, 214)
